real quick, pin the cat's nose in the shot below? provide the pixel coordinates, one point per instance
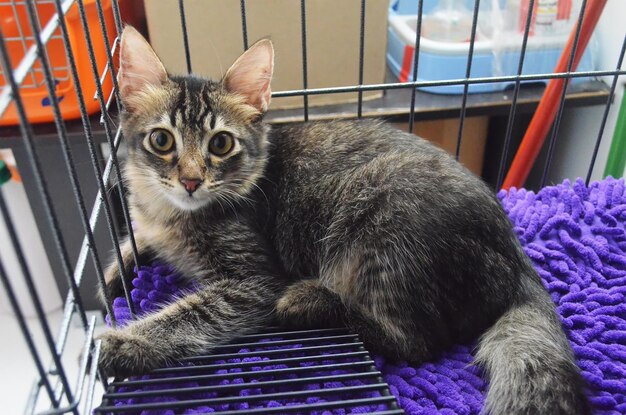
(191, 185)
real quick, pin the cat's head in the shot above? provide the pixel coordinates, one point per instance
(192, 141)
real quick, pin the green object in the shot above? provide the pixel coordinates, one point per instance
(5, 173)
(617, 154)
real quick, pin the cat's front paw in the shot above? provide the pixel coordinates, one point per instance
(125, 354)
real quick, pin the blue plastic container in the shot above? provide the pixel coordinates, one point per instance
(444, 60)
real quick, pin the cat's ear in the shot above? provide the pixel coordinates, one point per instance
(251, 74)
(139, 66)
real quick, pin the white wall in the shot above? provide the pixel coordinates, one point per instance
(579, 126)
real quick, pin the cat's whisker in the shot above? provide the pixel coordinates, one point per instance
(237, 196)
(219, 202)
(231, 205)
(251, 182)
(112, 186)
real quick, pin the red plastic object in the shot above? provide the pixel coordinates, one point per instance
(14, 19)
(546, 111)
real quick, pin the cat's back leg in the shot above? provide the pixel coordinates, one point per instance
(308, 304)
(364, 303)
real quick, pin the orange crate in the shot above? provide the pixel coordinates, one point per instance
(18, 37)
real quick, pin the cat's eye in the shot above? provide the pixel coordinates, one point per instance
(162, 141)
(221, 144)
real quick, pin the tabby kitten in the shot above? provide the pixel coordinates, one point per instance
(322, 224)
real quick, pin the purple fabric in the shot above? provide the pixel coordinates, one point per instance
(576, 238)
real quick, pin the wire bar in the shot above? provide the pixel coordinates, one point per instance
(82, 374)
(244, 24)
(305, 80)
(100, 201)
(310, 407)
(204, 358)
(93, 376)
(447, 82)
(19, 315)
(361, 58)
(183, 25)
(295, 333)
(248, 398)
(316, 339)
(389, 412)
(109, 52)
(468, 71)
(239, 386)
(107, 106)
(559, 114)
(516, 89)
(605, 115)
(287, 360)
(365, 364)
(416, 58)
(116, 16)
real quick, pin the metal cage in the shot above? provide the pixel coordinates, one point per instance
(55, 388)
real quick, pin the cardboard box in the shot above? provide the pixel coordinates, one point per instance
(444, 133)
(333, 29)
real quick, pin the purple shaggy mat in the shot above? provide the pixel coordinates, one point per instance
(575, 236)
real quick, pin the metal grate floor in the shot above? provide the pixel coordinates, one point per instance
(324, 371)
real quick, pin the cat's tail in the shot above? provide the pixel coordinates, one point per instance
(530, 362)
